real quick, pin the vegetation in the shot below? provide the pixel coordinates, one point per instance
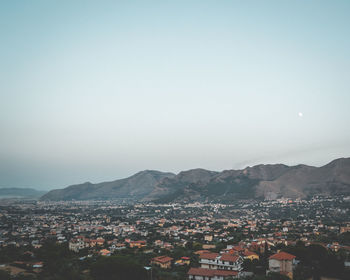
(117, 268)
(316, 261)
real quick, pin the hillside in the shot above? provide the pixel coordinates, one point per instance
(258, 182)
(131, 188)
(20, 193)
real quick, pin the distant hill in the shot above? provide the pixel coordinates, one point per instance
(258, 182)
(20, 193)
(135, 187)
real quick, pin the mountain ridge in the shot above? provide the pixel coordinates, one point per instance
(13, 192)
(262, 181)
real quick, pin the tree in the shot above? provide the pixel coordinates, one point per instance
(117, 268)
(58, 262)
(25, 277)
(247, 265)
(276, 276)
(270, 276)
(4, 275)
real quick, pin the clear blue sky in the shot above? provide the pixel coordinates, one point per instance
(98, 90)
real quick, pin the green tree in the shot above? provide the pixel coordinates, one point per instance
(59, 262)
(117, 268)
(276, 276)
(4, 275)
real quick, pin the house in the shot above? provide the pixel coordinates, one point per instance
(105, 252)
(209, 246)
(186, 260)
(250, 255)
(117, 246)
(167, 246)
(208, 260)
(198, 273)
(282, 263)
(97, 242)
(208, 237)
(261, 245)
(236, 250)
(183, 261)
(162, 261)
(76, 245)
(224, 261)
(158, 243)
(137, 244)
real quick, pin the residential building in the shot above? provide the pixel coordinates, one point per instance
(217, 261)
(198, 273)
(282, 263)
(162, 261)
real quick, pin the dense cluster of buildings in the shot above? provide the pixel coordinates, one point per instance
(246, 229)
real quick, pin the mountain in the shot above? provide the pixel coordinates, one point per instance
(303, 180)
(173, 187)
(132, 188)
(264, 181)
(20, 193)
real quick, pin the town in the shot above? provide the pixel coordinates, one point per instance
(271, 239)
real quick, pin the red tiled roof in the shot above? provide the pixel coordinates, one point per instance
(138, 242)
(209, 256)
(162, 259)
(282, 256)
(198, 271)
(225, 272)
(228, 258)
(238, 248)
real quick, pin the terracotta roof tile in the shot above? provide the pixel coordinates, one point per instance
(228, 258)
(209, 256)
(282, 256)
(162, 259)
(198, 271)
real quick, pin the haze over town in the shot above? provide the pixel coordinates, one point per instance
(174, 140)
(95, 91)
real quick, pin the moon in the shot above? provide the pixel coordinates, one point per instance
(300, 114)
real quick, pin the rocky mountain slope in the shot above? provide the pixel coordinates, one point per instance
(258, 182)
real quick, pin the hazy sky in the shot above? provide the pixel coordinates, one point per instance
(98, 90)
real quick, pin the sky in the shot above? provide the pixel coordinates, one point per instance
(99, 90)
